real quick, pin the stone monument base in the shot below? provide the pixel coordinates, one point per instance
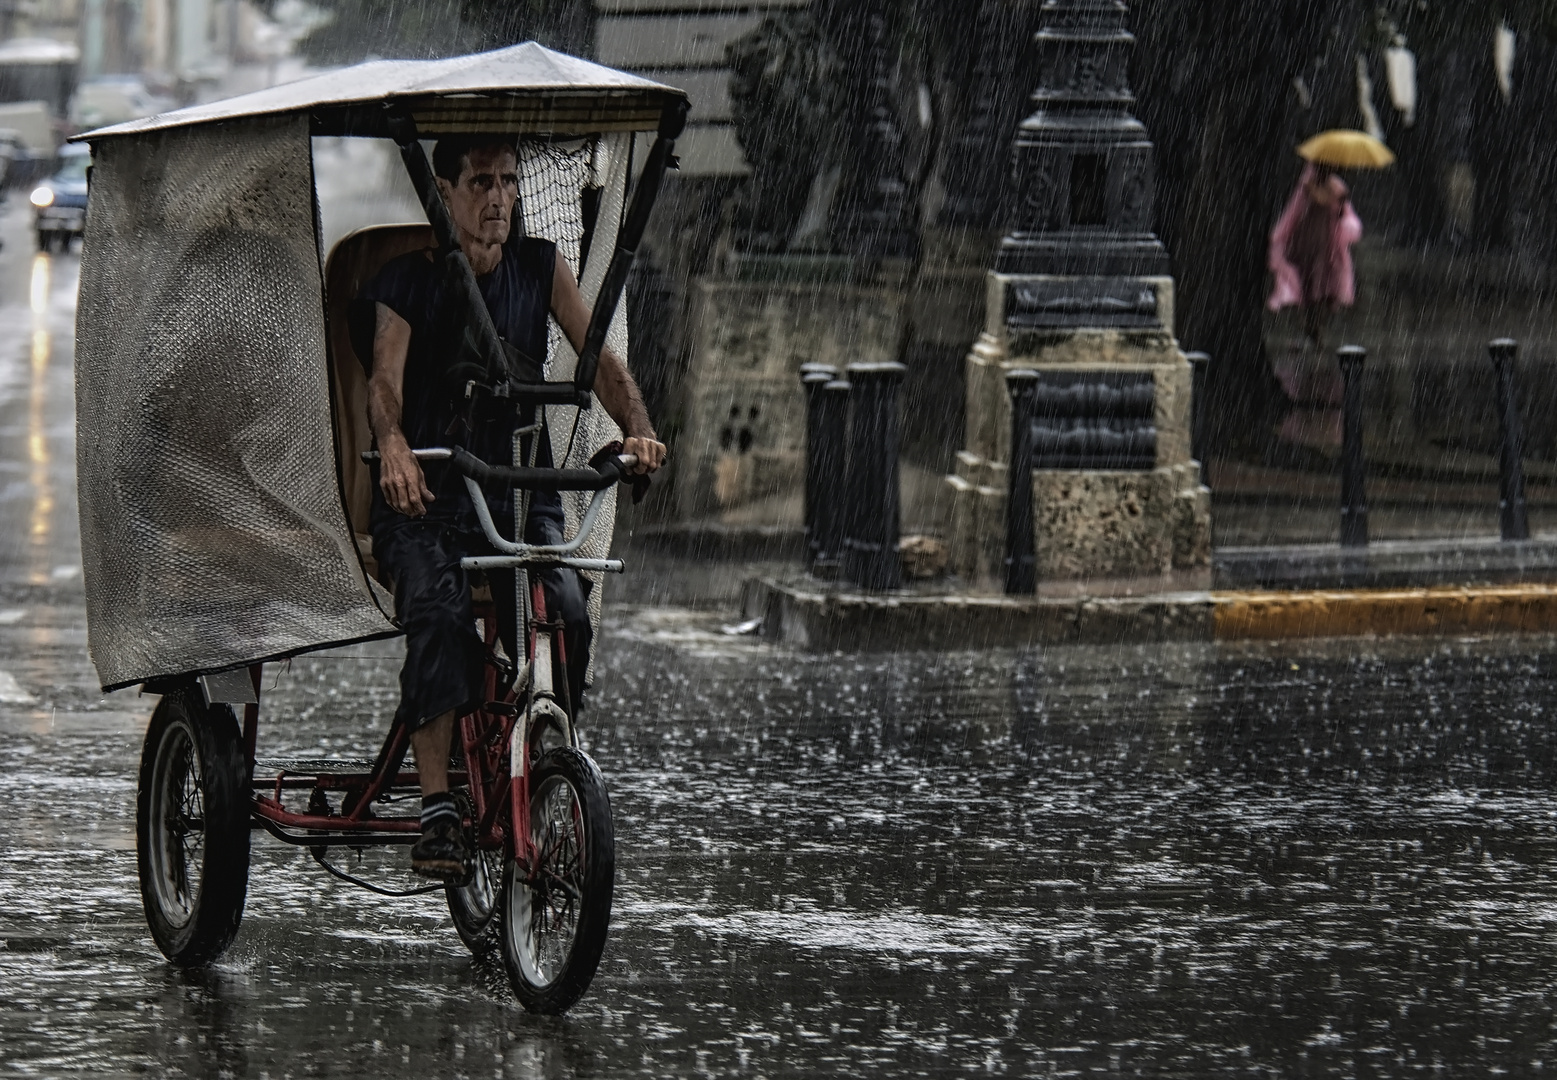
(1104, 521)
(1087, 524)
(1112, 524)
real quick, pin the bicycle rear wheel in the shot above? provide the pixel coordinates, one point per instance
(554, 925)
(474, 905)
(192, 828)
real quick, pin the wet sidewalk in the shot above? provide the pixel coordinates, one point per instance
(1451, 497)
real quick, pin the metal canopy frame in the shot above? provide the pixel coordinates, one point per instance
(555, 96)
(407, 132)
(550, 114)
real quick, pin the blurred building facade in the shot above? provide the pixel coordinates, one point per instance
(39, 18)
(685, 45)
(173, 43)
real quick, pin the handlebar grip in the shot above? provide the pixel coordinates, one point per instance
(432, 453)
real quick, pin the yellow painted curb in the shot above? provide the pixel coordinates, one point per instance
(1384, 612)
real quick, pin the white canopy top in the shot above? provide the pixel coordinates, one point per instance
(525, 88)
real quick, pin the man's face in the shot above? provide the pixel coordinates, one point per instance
(482, 202)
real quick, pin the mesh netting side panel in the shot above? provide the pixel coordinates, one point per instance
(576, 434)
(211, 523)
(553, 179)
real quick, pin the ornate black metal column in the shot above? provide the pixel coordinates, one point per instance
(1513, 517)
(874, 218)
(1354, 471)
(1080, 292)
(1083, 198)
(1021, 542)
(972, 170)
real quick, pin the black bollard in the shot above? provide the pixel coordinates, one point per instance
(1021, 539)
(813, 377)
(1199, 364)
(1354, 498)
(832, 461)
(1513, 518)
(870, 555)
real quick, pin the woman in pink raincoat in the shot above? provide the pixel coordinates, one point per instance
(1311, 250)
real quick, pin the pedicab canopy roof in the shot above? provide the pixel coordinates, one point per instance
(214, 529)
(524, 89)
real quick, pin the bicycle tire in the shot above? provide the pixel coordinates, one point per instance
(193, 806)
(548, 974)
(473, 906)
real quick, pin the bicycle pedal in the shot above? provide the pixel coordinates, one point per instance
(446, 873)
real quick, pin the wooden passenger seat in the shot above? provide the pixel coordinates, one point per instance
(352, 264)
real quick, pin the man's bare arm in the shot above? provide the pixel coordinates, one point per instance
(400, 474)
(614, 384)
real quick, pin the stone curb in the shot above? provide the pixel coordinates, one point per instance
(822, 619)
(1385, 612)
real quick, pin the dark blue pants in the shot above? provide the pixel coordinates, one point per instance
(444, 656)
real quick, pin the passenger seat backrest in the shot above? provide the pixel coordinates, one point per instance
(354, 262)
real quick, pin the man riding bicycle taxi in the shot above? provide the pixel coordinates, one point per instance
(423, 520)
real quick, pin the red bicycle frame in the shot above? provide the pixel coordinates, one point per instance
(487, 739)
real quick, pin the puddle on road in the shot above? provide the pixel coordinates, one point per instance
(1178, 860)
(700, 635)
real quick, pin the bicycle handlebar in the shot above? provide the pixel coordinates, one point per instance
(610, 472)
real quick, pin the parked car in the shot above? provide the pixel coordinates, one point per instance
(60, 202)
(29, 140)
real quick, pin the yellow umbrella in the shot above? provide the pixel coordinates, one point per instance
(1344, 149)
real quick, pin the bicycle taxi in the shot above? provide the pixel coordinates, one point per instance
(222, 439)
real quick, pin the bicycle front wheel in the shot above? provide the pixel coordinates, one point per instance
(554, 924)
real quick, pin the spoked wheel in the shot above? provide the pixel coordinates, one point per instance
(192, 828)
(553, 927)
(474, 905)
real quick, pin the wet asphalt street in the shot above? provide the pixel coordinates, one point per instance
(1330, 859)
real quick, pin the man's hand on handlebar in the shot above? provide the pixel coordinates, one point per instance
(401, 479)
(650, 453)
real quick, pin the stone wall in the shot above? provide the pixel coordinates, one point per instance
(743, 435)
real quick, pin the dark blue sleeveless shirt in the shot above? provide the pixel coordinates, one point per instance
(518, 294)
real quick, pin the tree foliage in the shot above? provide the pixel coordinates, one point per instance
(1228, 88)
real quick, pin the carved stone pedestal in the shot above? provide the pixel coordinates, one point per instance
(1088, 523)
